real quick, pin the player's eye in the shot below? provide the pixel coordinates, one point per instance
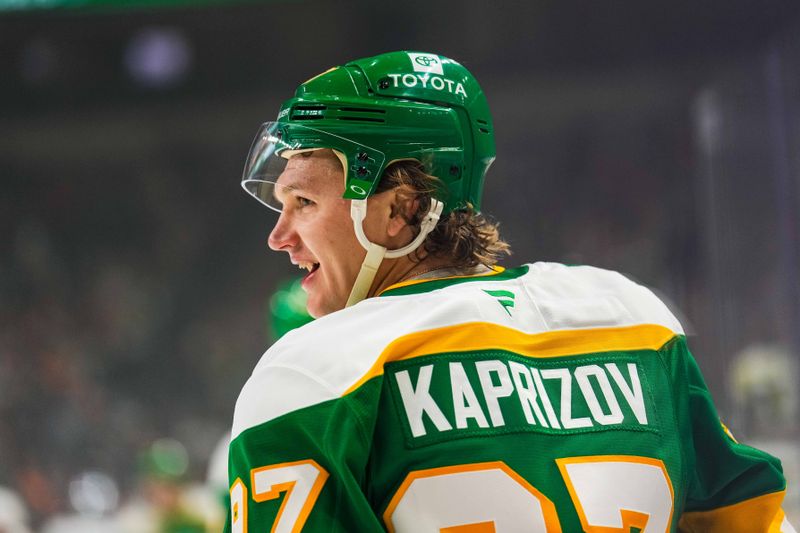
(303, 202)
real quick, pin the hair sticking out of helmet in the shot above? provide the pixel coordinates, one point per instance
(465, 237)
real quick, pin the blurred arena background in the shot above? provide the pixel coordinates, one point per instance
(657, 138)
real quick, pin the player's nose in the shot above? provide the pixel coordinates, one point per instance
(283, 236)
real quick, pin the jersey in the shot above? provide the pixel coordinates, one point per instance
(542, 398)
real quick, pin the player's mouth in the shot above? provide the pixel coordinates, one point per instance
(311, 267)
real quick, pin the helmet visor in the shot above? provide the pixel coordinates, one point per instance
(276, 142)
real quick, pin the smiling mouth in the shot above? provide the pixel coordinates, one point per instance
(309, 266)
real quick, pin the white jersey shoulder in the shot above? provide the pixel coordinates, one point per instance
(323, 359)
(572, 297)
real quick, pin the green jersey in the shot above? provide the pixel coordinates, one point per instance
(543, 398)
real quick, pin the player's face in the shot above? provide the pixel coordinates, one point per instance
(316, 230)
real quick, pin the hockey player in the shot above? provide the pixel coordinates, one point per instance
(438, 391)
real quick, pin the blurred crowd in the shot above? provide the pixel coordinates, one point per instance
(164, 499)
(108, 339)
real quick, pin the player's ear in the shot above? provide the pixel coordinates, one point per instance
(403, 210)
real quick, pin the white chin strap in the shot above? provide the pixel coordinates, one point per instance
(376, 253)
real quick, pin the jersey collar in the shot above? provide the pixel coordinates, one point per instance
(417, 286)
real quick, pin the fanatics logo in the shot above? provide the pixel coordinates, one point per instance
(426, 63)
(504, 298)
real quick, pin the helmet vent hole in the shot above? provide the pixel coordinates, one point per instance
(361, 114)
(364, 110)
(308, 112)
(362, 119)
(483, 130)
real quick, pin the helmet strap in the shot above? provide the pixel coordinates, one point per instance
(366, 275)
(376, 252)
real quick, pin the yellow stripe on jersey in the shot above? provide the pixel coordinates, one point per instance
(495, 271)
(763, 513)
(479, 336)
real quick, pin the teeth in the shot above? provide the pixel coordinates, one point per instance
(306, 265)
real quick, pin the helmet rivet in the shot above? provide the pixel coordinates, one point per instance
(453, 170)
(384, 83)
(362, 156)
(362, 171)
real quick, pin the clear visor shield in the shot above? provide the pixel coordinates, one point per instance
(277, 142)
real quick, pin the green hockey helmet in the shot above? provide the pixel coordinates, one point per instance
(375, 111)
